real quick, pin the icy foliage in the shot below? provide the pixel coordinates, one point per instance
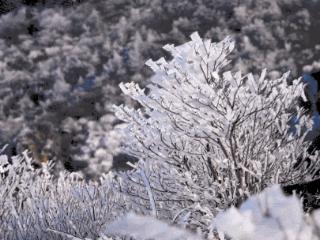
(269, 215)
(36, 205)
(208, 138)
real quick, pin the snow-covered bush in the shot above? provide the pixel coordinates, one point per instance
(38, 205)
(269, 215)
(209, 138)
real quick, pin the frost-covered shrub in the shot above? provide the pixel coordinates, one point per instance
(38, 205)
(208, 138)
